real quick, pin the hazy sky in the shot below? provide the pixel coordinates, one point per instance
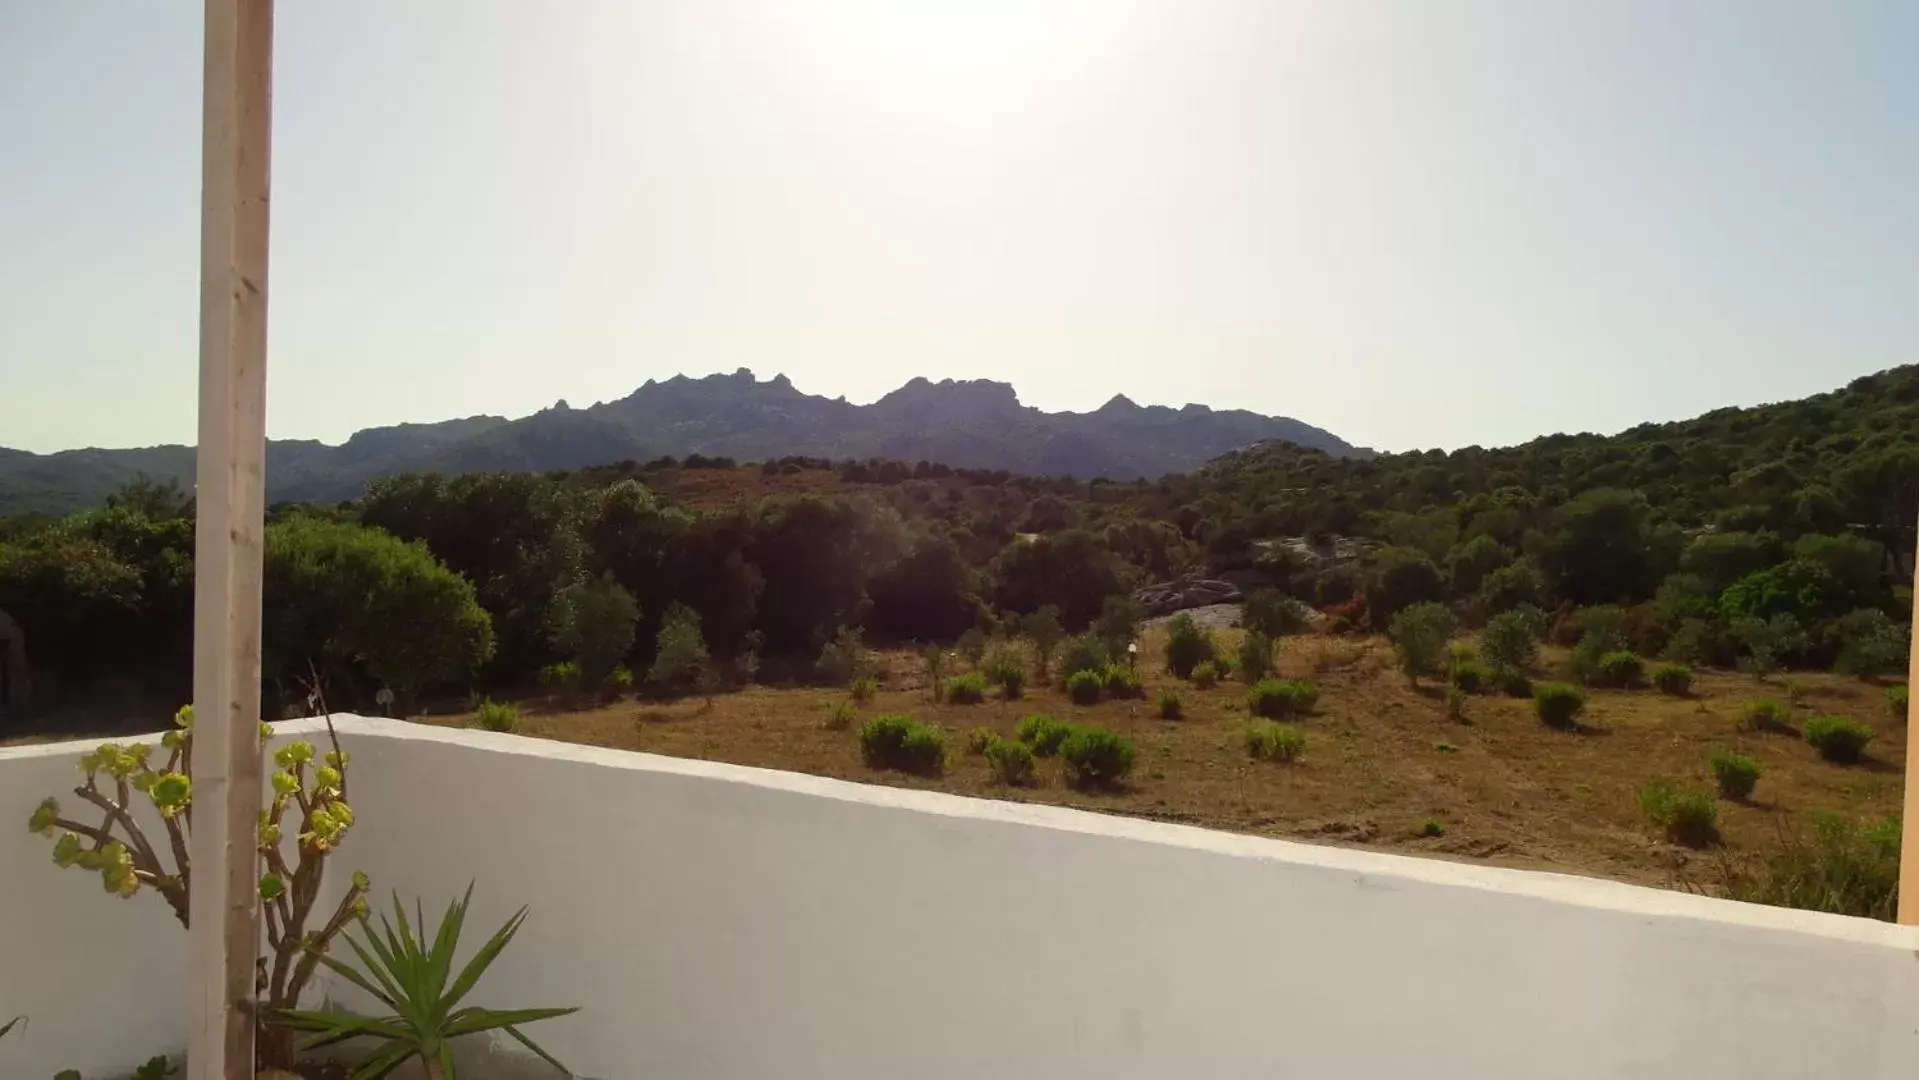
(1417, 223)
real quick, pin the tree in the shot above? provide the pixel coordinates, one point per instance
(1871, 644)
(1255, 657)
(1510, 640)
(1766, 642)
(1797, 587)
(1118, 623)
(594, 623)
(1599, 549)
(1399, 578)
(1187, 646)
(1043, 628)
(927, 593)
(1721, 558)
(1070, 570)
(1470, 560)
(815, 556)
(1271, 613)
(1509, 587)
(680, 660)
(1419, 634)
(361, 605)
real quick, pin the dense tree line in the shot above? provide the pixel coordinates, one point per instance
(1785, 528)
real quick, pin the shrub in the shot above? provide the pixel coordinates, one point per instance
(1083, 687)
(1419, 636)
(1012, 685)
(863, 689)
(681, 658)
(972, 645)
(1688, 816)
(840, 715)
(843, 659)
(1737, 774)
(1695, 641)
(1043, 733)
(1621, 669)
(1255, 656)
(1766, 641)
(1003, 665)
(1872, 644)
(1847, 868)
(904, 744)
(967, 689)
(1279, 699)
(1043, 629)
(1558, 704)
(1674, 679)
(1272, 613)
(1096, 757)
(1838, 738)
(1169, 707)
(562, 677)
(1897, 698)
(1224, 665)
(1510, 640)
(978, 739)
(1764, 714)
(497, 715)
(1206, 675)
(1515, 684)
(1432, 827)
(617, 682)
(1118, 622)
(1455, 703)
(1602, 631)
(1083, 652)
(1187, 646)
(1012, 762)
(593, 623)
(1471, 677)
(1121, 683)
(1270, 740)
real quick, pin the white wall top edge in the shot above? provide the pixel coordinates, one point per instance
(1544, 885)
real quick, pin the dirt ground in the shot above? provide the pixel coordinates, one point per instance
(1381, 759)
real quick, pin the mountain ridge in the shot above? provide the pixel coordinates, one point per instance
(963, 423)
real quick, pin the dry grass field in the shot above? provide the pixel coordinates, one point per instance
(1382, 759)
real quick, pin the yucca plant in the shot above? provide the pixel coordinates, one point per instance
(410, 977)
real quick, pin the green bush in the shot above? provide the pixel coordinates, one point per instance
(1847, 869)
(1120, 683)
(978, 739)
(1419, 636)
(1688, 816)
(1838, 738)
(1871, 644)
(1043, 733)
(497, 715)
(1602, 631)
(1083, 652)
(1674, 679)
(1764, 714)
(1897, 698)
(1043, 629)
(1225, 666)
(1737, 774)
(1270, 740)
(1206, 675)
(1510, 640)
(680, 657)
(1255, 656)
(969, 689)
(1621, 669)
(1278, 699)
(617, 682)
(840, 715)
(1515, 684)
(904, 744)
(1187, 646)
(1012, 684)
(1003, 665)
(1012, 762)
(1471, 677)
(1455, 703)
(1096, 757)
(562, 677)
(1084, 687)
(1432, 827)
(863, 689)
(1169, 706)
(1558, 704)
(843, 659)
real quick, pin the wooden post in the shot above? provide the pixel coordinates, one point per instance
(1909, 835)
(224, 938)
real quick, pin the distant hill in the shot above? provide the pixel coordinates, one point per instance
(965, 424)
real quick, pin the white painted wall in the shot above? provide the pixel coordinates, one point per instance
(718, 921)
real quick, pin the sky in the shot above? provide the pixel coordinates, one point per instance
(1418, 223)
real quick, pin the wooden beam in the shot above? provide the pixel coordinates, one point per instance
(1909, 836)
(224, 935)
